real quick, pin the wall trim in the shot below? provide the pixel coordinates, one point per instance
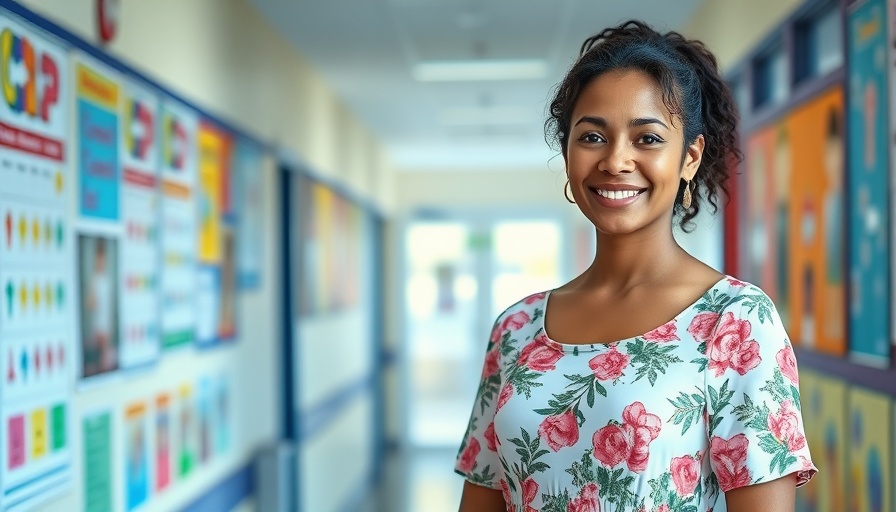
(227, 493)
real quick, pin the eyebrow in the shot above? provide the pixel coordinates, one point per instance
(602, 123)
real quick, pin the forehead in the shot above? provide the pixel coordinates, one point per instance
(622, 95)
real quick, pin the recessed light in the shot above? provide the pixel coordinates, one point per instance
(480, 70)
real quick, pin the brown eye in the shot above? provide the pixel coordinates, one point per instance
(591, 138)
(650, 139)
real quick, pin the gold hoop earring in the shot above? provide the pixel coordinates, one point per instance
(567, 191)
(687, 198)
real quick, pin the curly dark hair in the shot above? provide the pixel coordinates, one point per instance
(693, 90)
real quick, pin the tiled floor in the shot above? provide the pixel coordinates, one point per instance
(422, 480)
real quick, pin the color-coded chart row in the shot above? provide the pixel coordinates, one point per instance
(23, 298)
(135, 282)
(26, 365)
(34, 435)
(136, 334)
(22, 231)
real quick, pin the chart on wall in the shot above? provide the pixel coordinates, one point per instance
(815, 288)
(869, 305)
(767, 212)
(824, 414)
(248, 196)
(891, 70)
(140, 269)
(870, 444)
(136, 455)
(36, 310)
(178, 223)
(96, 105)
(330, 277)
(96, 435)
(214, 163)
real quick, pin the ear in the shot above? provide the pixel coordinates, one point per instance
(692, 158)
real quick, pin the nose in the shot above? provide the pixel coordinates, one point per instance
(617, 158)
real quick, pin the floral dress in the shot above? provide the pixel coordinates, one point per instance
(666, 421)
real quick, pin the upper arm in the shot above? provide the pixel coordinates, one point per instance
(477, 498)
(773, 496)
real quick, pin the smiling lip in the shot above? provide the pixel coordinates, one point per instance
(615, 196)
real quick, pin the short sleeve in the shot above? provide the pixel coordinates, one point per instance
(754, 419)
(477, 459)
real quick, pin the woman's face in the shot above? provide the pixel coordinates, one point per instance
(624, 155)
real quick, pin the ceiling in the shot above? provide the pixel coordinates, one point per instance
(367, 51)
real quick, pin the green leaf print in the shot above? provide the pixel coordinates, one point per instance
(582, 386)
(507, 344)
(524, 379)
(701, 362)
(535, 316)
(659, 488)
(781, 390)
(653, 358)
(489, 388)
(782, 458)
(714, 301)
(583, 472)
(615, 489)
(555, 503)
(761, 302)
(718, 400)
(529, 449)
(484, 477)
(751, 415)
(688, 409)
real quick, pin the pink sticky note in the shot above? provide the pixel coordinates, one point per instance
(16, 441)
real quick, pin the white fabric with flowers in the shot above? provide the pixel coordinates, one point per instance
(666, 421)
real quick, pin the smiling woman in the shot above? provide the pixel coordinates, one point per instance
(650, 381)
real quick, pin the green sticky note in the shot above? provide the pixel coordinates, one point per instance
(58, 421)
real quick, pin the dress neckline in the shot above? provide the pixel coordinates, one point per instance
(591, 347)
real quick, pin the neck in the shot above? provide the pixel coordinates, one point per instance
(627, 261)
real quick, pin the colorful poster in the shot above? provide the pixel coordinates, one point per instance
(226, 328)
(97, 435)
(248, 196)
(136, 453)
(179, 231)
(870, 476)
(208, 291)
(36, 275)
(98, 301)
(815, 289)
(187, 433)
(214, 162)
(163, 442)
(97, 96)
(140, 271)
(868, 184)
(824, 415)
(206, 425)
(891, 59)
(221, 419)
(332, 235)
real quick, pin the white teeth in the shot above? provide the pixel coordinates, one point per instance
(616, 195)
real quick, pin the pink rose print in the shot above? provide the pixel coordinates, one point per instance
(532, 299)
(663, 333)
(468, 457)
(787, 362)
(530, 492)
(506, 393)
(635, 415)
(587, 501)
(630, 441)
(736, 282)
(664, 508)
(560, 430)
(702, 325)
(539, 355)
(785, 426)
(612, 444)
(497, 333)
(729, 458)
(505, 490)
(515, 321)
(491, 440)
(732, 348)
(685, 474)
(492, 360)
(609, 366)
